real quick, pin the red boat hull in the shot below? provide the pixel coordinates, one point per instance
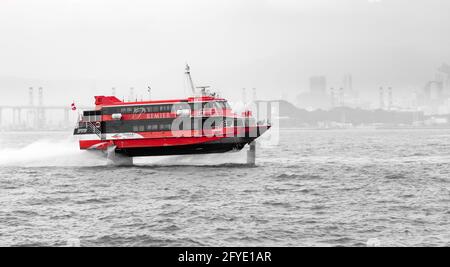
(176, 145)
(219, 146)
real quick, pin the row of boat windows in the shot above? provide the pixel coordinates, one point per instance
(165, 107)
(152, 128)
(166, 125)
(138, 110)
(92, 113)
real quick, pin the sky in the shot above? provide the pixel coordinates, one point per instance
(78, 48)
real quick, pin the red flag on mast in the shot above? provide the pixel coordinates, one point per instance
(74, 107)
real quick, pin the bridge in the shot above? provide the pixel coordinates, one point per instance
(35, 115)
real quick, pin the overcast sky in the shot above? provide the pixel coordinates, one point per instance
(273, 45)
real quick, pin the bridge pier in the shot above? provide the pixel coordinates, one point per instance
(39, 117)
(14, 117)
(66, 116)
(19, 117)
(35, 118)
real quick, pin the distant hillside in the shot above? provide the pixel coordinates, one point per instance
(301, 117)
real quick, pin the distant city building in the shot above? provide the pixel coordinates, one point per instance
(381, 98)
(318, 85)
(443, 77)
(433, 98)
(320, 97)
(317, 97)
(348, 87)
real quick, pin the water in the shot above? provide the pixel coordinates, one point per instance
(317, 188)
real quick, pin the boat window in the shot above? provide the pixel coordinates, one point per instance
(155, 125)
(217, 105)
(239, 123)
(139, 110)
(113, 127)
(226, 105)
(92, 113)
(92, 116)
(196, 123)
(162, 108)
(152, 127)
(180, 106)
(165, 127)
(212, 123)
(209, 105)
(197, 105)
(229, 122)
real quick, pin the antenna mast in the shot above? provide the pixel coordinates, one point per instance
(188, 74)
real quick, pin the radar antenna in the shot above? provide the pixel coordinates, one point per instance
(204, 90)
(191, 83)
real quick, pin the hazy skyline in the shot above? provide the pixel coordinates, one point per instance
(78, 48)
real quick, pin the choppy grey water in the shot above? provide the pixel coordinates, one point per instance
(317, 188)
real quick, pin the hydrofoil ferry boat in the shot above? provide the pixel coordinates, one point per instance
(200, 124)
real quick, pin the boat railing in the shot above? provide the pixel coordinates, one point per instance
(92, 127)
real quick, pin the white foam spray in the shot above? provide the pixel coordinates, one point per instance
(66, 153)
(47, 152)
(195, 160)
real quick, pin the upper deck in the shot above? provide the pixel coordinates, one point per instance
(114, 116)
(108, 107)
(111, 101)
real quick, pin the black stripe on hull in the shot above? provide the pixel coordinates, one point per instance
(220, 146)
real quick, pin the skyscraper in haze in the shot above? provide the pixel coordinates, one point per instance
(318, 85)
(317, 97)
(348, 82)
(435, 96)
(443, 77)
(348, 86)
